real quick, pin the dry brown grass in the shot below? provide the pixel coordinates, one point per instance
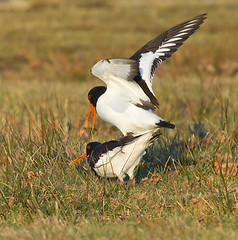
(187, 183)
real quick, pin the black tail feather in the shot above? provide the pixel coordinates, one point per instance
(155, 136)
(165, 124)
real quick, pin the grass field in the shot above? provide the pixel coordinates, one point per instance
(186, 185)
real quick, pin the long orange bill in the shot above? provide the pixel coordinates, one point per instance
(84, 155)
(92, 109)
(94, 116)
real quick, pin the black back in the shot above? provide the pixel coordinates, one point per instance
(95, 150)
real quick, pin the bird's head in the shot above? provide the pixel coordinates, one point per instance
(89, 149)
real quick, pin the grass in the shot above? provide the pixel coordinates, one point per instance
(187, 182)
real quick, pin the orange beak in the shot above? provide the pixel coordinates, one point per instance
(84, 155)
(92, 109)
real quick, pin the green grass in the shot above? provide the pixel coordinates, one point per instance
(186, 187)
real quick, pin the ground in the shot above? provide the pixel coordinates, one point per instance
(186, 186)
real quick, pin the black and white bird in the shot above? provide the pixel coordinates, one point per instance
(128, 101)
(118, 158)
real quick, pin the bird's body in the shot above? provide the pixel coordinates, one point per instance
(124, 103)
(120, 109)
(118, 158)
(128, 101)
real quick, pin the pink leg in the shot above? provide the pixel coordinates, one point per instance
(133, 182)
(122, 181)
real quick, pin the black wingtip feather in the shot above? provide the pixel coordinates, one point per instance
(157, 41)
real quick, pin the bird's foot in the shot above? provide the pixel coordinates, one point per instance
(132, 182)
(121, 181)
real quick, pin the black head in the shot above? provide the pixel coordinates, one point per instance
(95, 93)
(89, 149)
(91, 146)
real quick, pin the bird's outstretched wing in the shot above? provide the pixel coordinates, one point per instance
(132, 78)
(153, 53)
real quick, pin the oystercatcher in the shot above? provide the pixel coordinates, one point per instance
(128, 100)
(118, 157)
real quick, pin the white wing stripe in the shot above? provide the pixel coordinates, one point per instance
(145, 61)
(159, 54)
(185, 30)
(193, 21)
(180, 34)
(162, 49)
(169, 44)
(189, 25)
(174, 39)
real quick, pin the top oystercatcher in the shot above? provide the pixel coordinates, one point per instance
(118, 157)
(128, 100)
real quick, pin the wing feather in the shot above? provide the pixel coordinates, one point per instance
(153, 53)
(133, 77)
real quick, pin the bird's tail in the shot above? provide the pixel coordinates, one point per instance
(128, 138)
(165, 124)
(155, 136)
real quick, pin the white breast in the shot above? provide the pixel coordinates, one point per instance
(120, 112)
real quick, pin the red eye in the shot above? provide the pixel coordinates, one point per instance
(88, 147)
(89, 96)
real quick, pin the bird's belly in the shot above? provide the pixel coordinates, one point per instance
(124, 161)
(119, 164)
(105, 170)
(104, 166)
(129, 118)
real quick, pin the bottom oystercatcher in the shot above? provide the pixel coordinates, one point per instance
(117, 158)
